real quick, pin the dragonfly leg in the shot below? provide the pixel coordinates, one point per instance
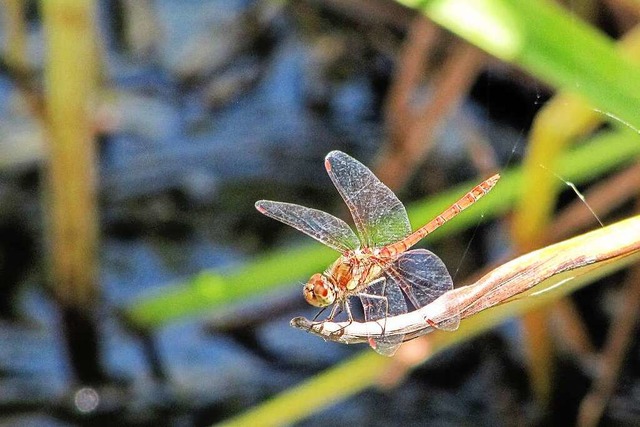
(384, 300)
(335, 310)
(347, 308)
(315, 322)
(318, 314)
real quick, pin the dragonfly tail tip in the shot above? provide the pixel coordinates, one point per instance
(259, 206)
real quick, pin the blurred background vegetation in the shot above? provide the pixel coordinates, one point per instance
(139, 286)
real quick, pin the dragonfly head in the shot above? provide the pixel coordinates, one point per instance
(319, 291)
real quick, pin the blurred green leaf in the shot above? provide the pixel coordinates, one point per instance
(548, 42)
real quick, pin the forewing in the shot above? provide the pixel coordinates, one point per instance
(379, 216)
(423, 277)
(320, 225)
(380, 300)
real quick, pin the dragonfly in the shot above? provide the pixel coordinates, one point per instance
(377, 264)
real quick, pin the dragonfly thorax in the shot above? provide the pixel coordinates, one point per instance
(319, 291)
(353, 270)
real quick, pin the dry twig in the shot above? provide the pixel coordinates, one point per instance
(501, 285)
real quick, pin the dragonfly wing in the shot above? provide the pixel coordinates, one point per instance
(423, 277)
(380, 300)
(378, 214)
(320, 225)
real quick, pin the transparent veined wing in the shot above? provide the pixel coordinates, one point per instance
(423, 277)
(320, 225)
(380, 300)
(378, 214)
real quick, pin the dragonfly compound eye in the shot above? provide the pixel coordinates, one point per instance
(319, 291)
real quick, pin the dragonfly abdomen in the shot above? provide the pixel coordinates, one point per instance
(464, 202)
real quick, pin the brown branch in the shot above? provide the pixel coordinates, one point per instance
(498, 286)
(410, 68)
(451, 84)
(616, 349)
(619, 339)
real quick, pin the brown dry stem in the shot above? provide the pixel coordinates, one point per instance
(616, 348)
(501, 285)
(619, 339)
(412, 129)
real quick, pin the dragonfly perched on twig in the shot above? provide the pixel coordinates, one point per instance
(376, 265)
